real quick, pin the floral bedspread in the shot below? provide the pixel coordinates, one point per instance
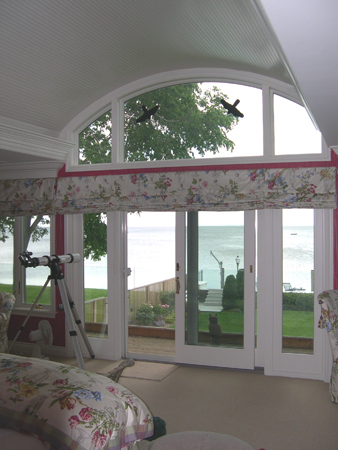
(70, 408)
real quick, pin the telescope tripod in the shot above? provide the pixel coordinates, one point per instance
(69, 309)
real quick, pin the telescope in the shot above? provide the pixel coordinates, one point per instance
(27, 260)
(53, 262)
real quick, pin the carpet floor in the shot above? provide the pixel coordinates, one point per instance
(274, 413)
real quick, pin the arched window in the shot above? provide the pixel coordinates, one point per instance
(199, 122)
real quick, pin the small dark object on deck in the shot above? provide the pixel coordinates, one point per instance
(215, 330)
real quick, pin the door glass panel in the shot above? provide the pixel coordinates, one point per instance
(95, 275)
(7, 252)
(215, 279)
(298, 276)
(151, 284)
(39, 245)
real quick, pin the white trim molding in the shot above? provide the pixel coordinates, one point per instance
(35, 144)
(41, 169)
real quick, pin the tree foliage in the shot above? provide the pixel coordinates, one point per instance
(95, 236)
(6, 228)
(95, 141)
(34, 228)
(190, 121)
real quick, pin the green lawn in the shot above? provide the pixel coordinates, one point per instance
(295, 323)
(94, 293)
(32, 293)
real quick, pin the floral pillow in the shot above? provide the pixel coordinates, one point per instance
(70, 408)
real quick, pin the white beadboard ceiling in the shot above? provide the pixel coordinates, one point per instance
(59, 56)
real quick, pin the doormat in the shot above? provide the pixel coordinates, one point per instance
(149, 371)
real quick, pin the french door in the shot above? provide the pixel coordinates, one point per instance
(215, 289)
(212, 265)
(292, 274)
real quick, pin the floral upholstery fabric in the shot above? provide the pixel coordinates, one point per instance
(190, 190)
(328, 301)
(68, 407)
(203, 190)
(7, 301)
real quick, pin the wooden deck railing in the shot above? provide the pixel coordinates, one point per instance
(96, 310)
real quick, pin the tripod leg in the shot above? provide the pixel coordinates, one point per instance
(79, 324)
(29, 314)
(69, 319)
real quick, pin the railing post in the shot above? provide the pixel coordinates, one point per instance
(104, 308)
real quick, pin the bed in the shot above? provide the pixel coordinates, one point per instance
(46, 405)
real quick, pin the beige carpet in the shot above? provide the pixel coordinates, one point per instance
(149, 371)
(273, 413)
(141, 370)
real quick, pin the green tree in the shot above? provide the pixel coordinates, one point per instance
(95, 141)
(189, 121)
(33, 228)
(230, 294)
(95, 235)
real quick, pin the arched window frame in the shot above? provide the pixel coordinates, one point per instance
(115, 102)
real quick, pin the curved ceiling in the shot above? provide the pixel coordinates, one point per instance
(58, 56)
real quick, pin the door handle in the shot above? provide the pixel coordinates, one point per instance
(178, 285)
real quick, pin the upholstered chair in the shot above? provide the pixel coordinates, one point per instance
(328, 301)
(7, 301)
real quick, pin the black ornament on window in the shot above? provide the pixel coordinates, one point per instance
(147, 113)
(232, 108)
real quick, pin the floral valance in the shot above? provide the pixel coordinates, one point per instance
(27, 196)
(214, 190)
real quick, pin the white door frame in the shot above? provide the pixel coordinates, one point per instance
(110, 348)
(217, 356)
(276, 362)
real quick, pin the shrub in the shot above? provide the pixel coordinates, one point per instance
(160, 311)
(145, 314)
(230, 294)
(240, 283)
(168, 298)
(298, 301)
(170, 318)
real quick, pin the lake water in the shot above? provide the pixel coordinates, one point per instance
(151, 257)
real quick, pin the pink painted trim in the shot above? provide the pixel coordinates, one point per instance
(332, 163)
(92, 173)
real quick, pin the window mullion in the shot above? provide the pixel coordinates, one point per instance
(116, 133)
(268, 137)
(19, 270)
